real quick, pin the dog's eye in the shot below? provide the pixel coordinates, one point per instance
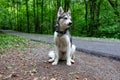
(65, 18)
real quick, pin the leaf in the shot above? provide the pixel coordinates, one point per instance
(76, 77)
(85, 79)
(35, 78)
(33, 71)
(44, 78)
(53, 79)
(1, 75)
(9, 67)
(11, 76)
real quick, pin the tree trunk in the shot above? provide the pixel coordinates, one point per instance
(92, 17)
(14, 17)
(86, 13)
(73, 27)
(58, 4)
(36, 16)
(41, 17)
(98, 14)
(20, 18)
(34, 11)
(27, 14)
(11, 18)
(67, 5)
(17, 15)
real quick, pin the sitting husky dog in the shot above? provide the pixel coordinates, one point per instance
(62, 39)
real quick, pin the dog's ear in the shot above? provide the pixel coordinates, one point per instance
(69, 12)
(60, 11)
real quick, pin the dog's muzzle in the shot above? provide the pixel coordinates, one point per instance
(70, 23)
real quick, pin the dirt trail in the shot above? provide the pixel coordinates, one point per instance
(31, 64)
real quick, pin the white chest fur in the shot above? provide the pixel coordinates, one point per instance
(62, 42)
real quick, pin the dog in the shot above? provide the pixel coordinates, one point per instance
(62, 38)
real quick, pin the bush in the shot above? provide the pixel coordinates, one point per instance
(109, 31)
(8, 42)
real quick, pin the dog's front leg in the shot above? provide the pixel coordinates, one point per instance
(68, 57)
(56, 58)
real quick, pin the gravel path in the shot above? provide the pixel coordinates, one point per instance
(105, 48)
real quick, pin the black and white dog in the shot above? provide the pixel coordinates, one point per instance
(62, 39)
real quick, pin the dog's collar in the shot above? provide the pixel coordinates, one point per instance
(61, 33)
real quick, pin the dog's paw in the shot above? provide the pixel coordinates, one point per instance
(69, 63)
(72, 61)
(54, 63)
(50, 60)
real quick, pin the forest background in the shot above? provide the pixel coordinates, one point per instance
(91, 18)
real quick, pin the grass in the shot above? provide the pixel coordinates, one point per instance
(9, 42)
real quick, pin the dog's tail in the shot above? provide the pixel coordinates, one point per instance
(51, 55)
(73, 48)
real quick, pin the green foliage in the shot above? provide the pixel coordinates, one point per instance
(13, 16)
(109, 31)
(8, 42)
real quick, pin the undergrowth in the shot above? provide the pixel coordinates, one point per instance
(9, 42)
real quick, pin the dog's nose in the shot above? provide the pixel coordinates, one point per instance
(70, 23)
